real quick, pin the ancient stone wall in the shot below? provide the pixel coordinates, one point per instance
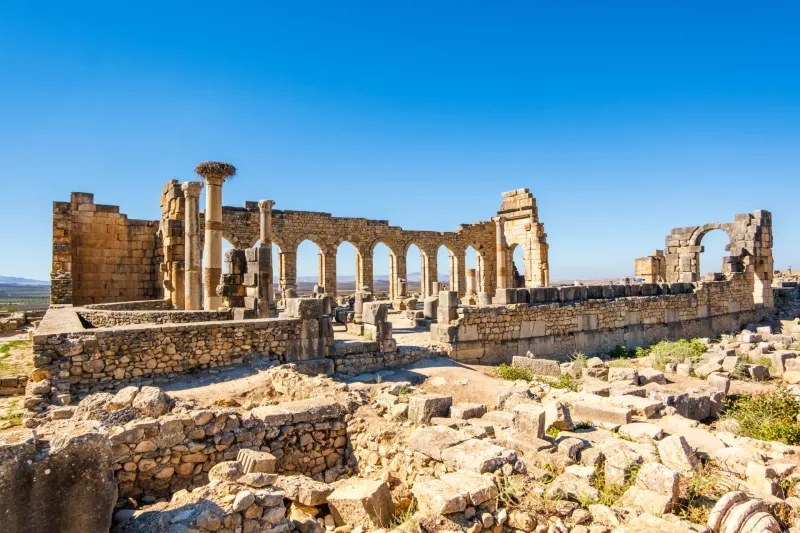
(99, 255)
(369, 358)
(593, 323)
(519, 219)
(141, 305)
(652, 269)
(13, 385)
(750, 249)
(107, 319)
(176, 451)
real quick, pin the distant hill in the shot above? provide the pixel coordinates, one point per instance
(412, 276)
(10, 280)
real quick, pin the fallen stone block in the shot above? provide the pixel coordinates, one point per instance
(557, 415)
(645, 501)
(719, 382)
(640, 406)
(529, 420)
(254, 461)
(624, 374)
(584, 411)
(423, 407)
(523, 444)
(537, 367)
(304, 490)
(477, 488)
(651, 375)
(641, 432)
(361, 502)
(676, 454)
(435, 497)
(476, 456)
(660, 479)
(466, 411)
(703, 371)
(569, 486)
(433, 440)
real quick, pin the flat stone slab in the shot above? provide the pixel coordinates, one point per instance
(423, 407)
(477, 456)
(433, 440)
(477, 488)
(640, 406)
(466, 411)
(435, 497)
(595, 412)
(538, 367)
(304, 490)
(641, 431)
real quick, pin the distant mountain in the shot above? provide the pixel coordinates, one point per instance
(10, 280)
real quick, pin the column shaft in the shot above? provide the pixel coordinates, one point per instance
(213, 244)
(193, 291)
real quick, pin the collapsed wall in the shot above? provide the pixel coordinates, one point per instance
(596, 319)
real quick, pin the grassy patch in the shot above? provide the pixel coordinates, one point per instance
(579, 359)
(552, 431)
(681, 351)
(622, 362)
(404, 520)
(12, 416)
(5, 348)
(513, 373)
(769, 416)
(702, 492)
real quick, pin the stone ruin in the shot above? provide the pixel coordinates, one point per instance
(168, 396)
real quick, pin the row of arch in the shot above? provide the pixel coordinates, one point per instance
(437, 265)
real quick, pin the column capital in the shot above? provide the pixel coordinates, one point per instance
(265, 205)
(191, 189)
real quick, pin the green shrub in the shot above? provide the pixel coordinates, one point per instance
(513, 373)
(579, 359)
(769, 416)
(619, 352)
(680, 351)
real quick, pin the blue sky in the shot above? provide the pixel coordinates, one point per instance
(624, 120)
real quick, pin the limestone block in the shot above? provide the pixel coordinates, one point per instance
(646, 501)
(762, 480)
(660, 479)
(641, 432)
(466, 411)
(304, 490)
(433, 440)
(778, 362)
(623, 374)
(757, 372)
(477, 488)
(374, 313)
(361, 502)
(595, 412)
(651, 375)
(423, 407)
(676, 454)
(303, 308)
(569, 486)
(719, 382)
(254, 461)
(703, 371)
(150, 401)
(435, 497)
(557, 415)
(484, 299)
(505, 296)
(529, 419)
(539, 367)
(476, 456)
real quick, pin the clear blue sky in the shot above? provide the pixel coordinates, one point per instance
(624, 119)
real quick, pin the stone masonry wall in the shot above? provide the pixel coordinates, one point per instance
(143, 305)
(100, 255)
(107, 319)
(161, 456)
(494, 334)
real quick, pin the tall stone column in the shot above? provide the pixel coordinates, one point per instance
(265, 274)
(193, 286)
(214, 173)
(500, 243)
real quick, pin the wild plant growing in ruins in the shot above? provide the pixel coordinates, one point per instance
(578, 359)
(768, 416)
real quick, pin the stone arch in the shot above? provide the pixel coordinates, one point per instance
(481, 274)
(394, 284)
(519, 268)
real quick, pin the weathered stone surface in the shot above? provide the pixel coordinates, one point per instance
(433, 440)
(537, 367)
(423, 407)
(478, 488)
(361, 502)
(676, 453)
(466, 411)
(660, 479)
(646, 501)
(529, 419)
(641, 431)
(569, 486)
(584, 411)
(557, 415)
(304, 490)
(476, 456)
(256, 462)
(151, 401)
(69, 488)
(436, 497)
(623, 374)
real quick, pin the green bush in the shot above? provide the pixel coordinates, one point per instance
(513, 373)
(680, 351)
(769, 416)
(619, 352)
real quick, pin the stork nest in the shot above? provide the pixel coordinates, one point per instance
(215, 168)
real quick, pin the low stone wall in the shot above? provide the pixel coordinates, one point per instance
(494, 334)
(140, 305)
(107, 319)
(13, 385)
(10, 322)
(351, 364)
(161, 456)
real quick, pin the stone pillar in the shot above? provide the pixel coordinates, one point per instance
(214, 173)
(433, 275)
(471, 280)
(193, 291)
(500, 243)
(366, 271)
(265, 273)
(330, 275)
